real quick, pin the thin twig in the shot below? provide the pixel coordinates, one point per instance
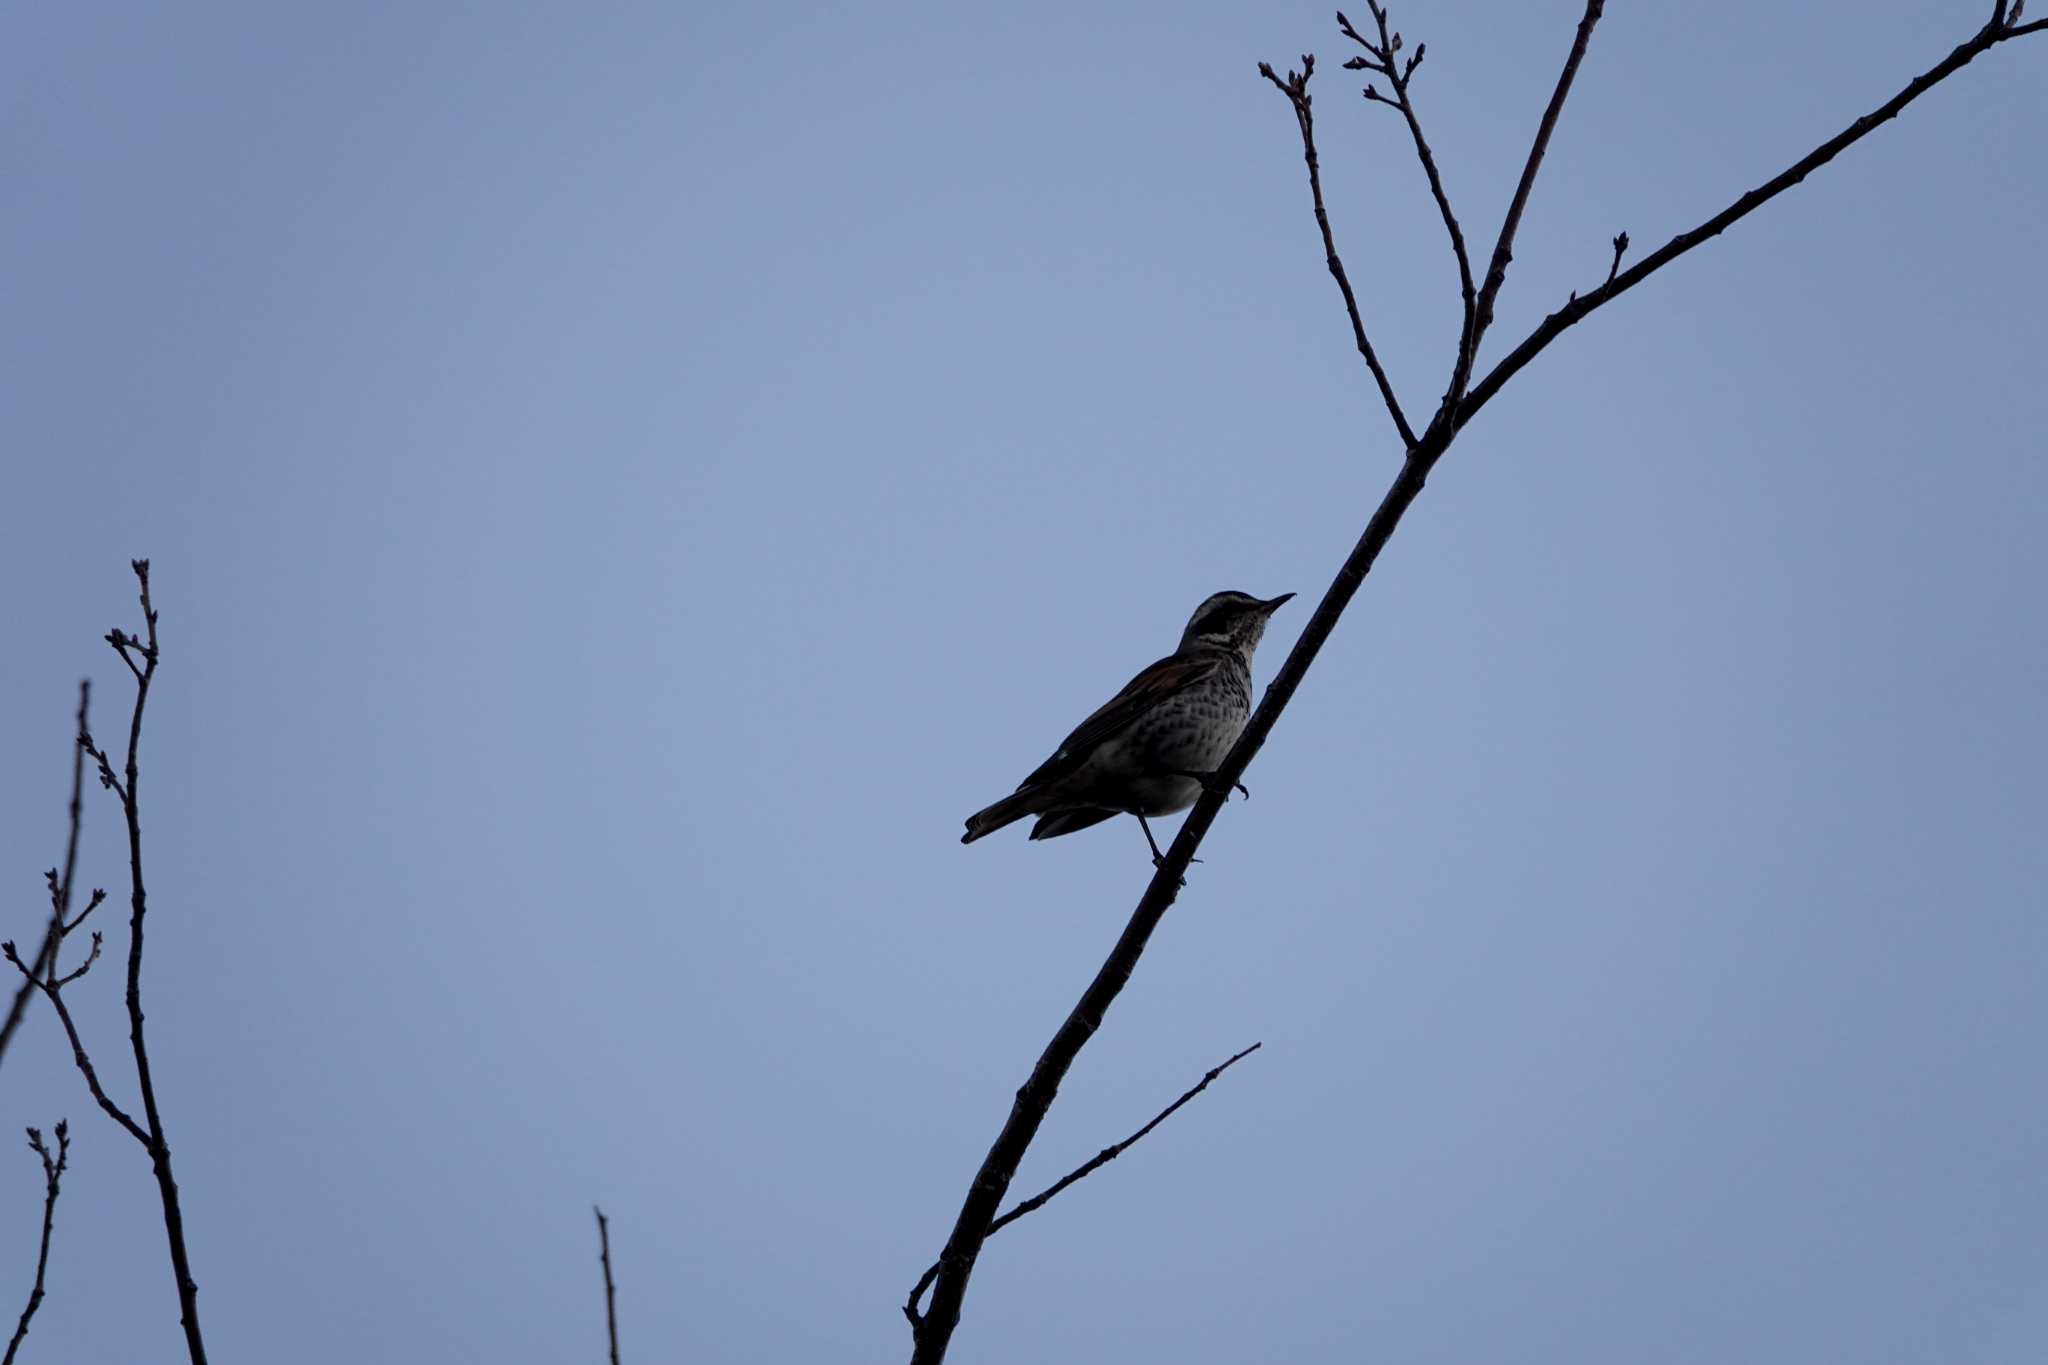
(604, 1255)
(1504, 245)
(138, 903)
(1384, 59)
(98, 898)
(1115, 1150)
(59, 883)
(52, 986)
(1295, 87)
(58, 983)
(53, 1175)
(1085, 1169)
(1549, 329)
(1620, 246)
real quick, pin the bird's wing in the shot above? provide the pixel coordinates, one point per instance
(1162, 680)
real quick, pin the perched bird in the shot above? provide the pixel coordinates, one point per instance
(1155, 745)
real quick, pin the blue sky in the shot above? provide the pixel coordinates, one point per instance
(625, 481)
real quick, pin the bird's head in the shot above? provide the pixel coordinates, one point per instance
(1230, 620)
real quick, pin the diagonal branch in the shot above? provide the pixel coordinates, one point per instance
(1081, 1172)
(1986, 38)
(1504, 246)
(59, 883)
(1117, 1149)
(1035, 1096)
(611, 1293)
(1295, 87)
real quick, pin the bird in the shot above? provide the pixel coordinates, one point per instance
(1154, 747)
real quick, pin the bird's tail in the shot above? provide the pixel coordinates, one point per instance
(1009, 810)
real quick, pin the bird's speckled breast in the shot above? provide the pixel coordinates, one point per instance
(1189, 734)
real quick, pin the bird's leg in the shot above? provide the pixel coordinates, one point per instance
(1158, 858)
(1211, 785)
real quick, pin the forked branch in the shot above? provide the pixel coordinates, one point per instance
(140, 654)
(933, 1330)
(2003, 27)
(1383, 57)
(1504, 245)
(1085, 1169)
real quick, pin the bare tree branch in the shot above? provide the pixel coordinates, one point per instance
(1620, 247)
(53, 1175)
(1085, 1169)
(1382, 57)
(1986, 38)
(52, 986)
(1035, 1096)
(1295, 87)
(59, 883)
(138, 908)
(1117, 1149)
(1504, 246)
(933, 1331)
(604, 1254)
(141, 655)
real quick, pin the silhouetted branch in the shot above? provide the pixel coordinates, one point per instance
(1504, 245)
(933, 1331)
(53, 1175)
(141, 655)
(59, 883)
(1991, 35)
(604, 1255)
(138, 908)
(1086, 1168)
(1620, 246)
(1381, 57)
(52, 986)
(1295, 87)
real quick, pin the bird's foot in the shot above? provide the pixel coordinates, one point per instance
(1159, 862)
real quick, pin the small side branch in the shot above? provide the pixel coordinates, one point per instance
(1504, 245)
(1620, 247)
(1295, 88)
(52, 986)
(1085, 1169)
(53, 1175)
(1383, 57)
(1115, 1150)
(147, 650)
(604, 1256)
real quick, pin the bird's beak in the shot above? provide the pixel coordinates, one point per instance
(1274, 604)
